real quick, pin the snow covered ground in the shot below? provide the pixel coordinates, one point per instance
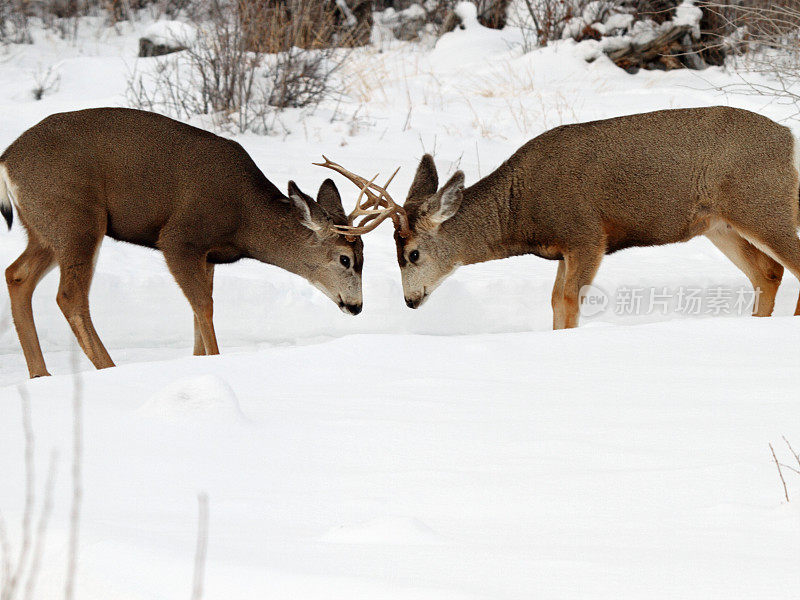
(463, 450)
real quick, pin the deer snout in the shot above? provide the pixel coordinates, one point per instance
(352, 309)
(416, 300)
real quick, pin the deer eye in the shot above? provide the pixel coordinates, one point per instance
(413, 256)
(345, 260)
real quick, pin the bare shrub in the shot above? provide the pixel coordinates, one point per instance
(549, 18)
(15, 18)
(45, 82)
(278, 25)
(544, 21)
(239, 77)
(764, 39)
(492, 13)
(63, 16)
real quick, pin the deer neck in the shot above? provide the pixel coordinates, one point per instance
(482, 227)
(271, 234)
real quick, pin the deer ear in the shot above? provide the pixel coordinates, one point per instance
(310, 214)
(446, 203)
(294, 190)
(328, 198)
(426, 180)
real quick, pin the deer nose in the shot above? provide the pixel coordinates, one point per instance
(353, 309)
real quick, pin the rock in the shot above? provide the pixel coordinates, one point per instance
(165, 37)
(148, 48)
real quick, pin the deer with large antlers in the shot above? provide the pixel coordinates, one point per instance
(145, 179)
(579, 192)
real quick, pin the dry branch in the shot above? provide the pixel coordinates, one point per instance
(780, 473)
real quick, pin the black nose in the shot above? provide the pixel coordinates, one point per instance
(412, 303)
(354, 309)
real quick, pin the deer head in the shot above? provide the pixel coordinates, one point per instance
(426, 257)
(427, 254)
(331, 262)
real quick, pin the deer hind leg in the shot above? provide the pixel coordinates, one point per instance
(189, 270)
(22, 277)
(763, 272)
(580, 267)
(199, 346)
(780, 242)
(557, 299)
(76, 263)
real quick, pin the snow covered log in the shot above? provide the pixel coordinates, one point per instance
(643, 40)
(665, 52)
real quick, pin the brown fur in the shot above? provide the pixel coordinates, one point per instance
(580, 191)
(145, 179)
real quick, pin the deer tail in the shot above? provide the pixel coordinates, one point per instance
(5, 197)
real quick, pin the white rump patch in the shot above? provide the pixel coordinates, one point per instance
(8, 190)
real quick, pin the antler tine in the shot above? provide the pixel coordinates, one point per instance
(399, 215)
(356, 179)
(370, 207)
(378, 207)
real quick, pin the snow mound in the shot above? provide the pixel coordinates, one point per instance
(384, 530)
(468, 13)
(472, 44)
(204, 397)
(170, 33)
(688, 14)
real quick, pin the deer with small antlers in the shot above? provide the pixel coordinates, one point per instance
(143, 178)
(579, 192)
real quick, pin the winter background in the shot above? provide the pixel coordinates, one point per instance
(461, 451)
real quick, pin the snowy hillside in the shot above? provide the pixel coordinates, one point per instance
(463, 450)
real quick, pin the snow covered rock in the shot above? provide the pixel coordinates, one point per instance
(407, 24)
(206, 397)
(165, 37)
(467, 13)
(388, 530)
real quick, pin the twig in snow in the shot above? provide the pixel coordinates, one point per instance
(41, 528)
(795, 454)
(457, 165)
(15, 575)
(5, 553)
(31, 546)
(796, 457)
(780, 473)
(202, 546)
(408, 117)
(77, 490)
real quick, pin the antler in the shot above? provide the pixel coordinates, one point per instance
(376, 208)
